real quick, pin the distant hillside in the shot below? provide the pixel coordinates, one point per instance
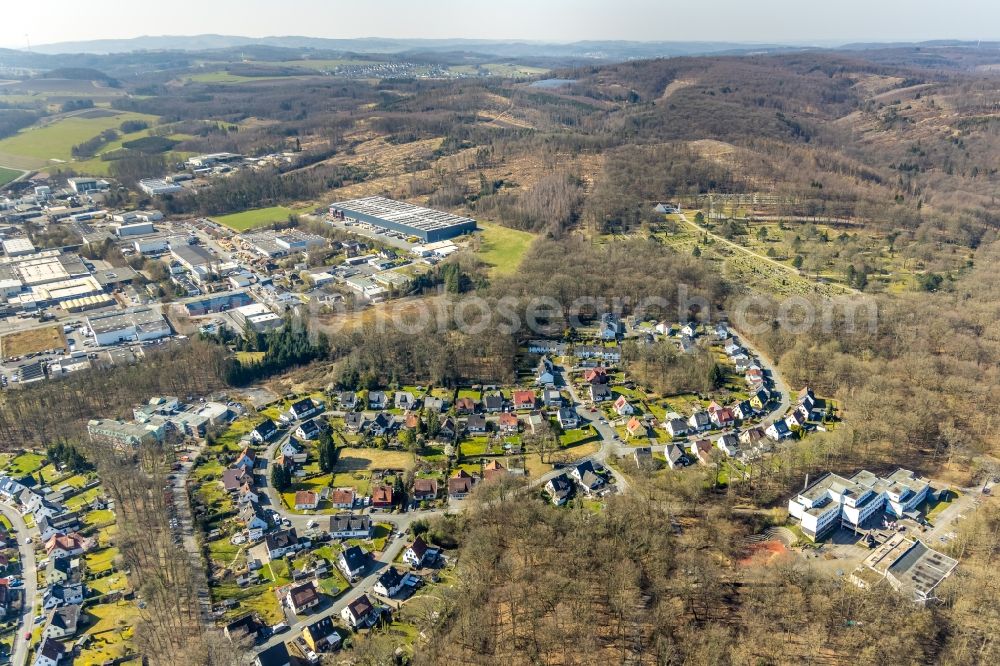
(600, 50)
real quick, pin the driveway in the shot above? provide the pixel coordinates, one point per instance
(29, 574)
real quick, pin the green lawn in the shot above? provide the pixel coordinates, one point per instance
(55, 141)
(26, 463)
(258, 217)
(503, 248)
(7, 175)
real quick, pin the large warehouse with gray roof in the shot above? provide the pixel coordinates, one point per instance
(425, 223)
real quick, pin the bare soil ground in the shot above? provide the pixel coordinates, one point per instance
(35, 340)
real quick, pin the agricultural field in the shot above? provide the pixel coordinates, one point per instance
(7, 175)
(498, 69)
(503, 248)
(53, 141)
(259, 217)
(31, 341)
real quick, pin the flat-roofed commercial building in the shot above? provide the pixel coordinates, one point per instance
(909, 565)
(132, 325)
(15, 247)
(257, 317)
(427, 224)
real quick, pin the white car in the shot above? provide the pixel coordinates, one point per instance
(311, 524)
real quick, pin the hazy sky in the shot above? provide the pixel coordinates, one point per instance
(789, 21)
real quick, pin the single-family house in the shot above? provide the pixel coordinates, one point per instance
(343, 498)
(381, 424)
(796, 418)
(420, 554)
(677, 427)
(598, 375)
(282, 542)
(544, 372)
(807, 398)
(635, 428)
(702, 450)
(276, 655)
(751, 437)
(524, 399)
(721, 331)
(722, 417)
(404, 400)
(360, 613)
(246, 494)
(728, 444)
(353, 561)
(49, 653)
(424, 490)
(234, 479)
(263, 432)
(304, 409)
(465, 405)
(551, 397)
(348, 400)
(433, 405)
(643, 456)
(61, 594)
(354, 421)
(376, 400)
(306, 500)
(778, 431)
(760, 398)
(675, 456)
(567, 418)
(587, 476)
(293, 450)
(536, 421)
(350, 526)
(68, 545)
(63, 570)
(391, 582)
(321, 635)
(475, 424)
(246, 625)
(700, 421)
(600, 393)
(254, 520)
(62, 622)
(743, 411)
(309, 429)
(493, 403)
(508, 423)
(382, 496)
(460, 485)
(447, 429)
(623, 407)
(247, 460)
(559, 489)
(300, 598)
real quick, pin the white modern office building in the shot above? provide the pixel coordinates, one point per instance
(834, 501)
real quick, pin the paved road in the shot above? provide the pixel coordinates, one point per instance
(363, 586)
(29, 574)
(778, 382)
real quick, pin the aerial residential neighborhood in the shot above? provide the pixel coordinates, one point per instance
(538, 333)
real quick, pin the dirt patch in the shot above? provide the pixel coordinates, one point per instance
(29, 342)
(765, 553)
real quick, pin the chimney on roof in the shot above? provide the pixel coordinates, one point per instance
(807, 483)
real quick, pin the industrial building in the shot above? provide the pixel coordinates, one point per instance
(425, 223)
(257, 317)
(135, 229)
(16, 247)
(195, 258)
(132, 325)
(156, 187)
(87, 185)
(277, 244)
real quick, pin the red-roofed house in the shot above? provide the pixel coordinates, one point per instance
(382, 497)
(508, 423)
(524, 399)
(306, 500)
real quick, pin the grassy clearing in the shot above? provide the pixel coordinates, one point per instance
(503, 248)
(34, 340)
(26, 463)
(355, 459)
(55, 140)
(7, 175)
(258, 217)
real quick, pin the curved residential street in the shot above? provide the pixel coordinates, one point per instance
(29, 574)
